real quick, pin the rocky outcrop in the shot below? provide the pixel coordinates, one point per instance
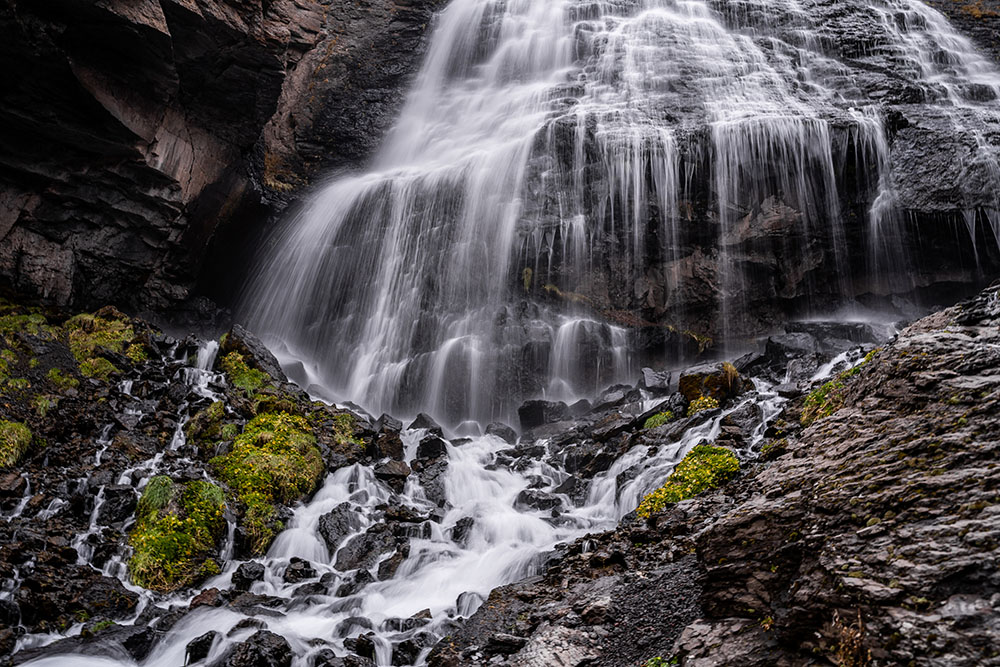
(140, 138)
(866, 537)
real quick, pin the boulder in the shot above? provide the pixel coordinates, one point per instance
(426, 422)
(720, 381)
(246, 574)
(338, 524)
(539, 412)
(393, 473)
(255, 353)
(502, 431)
(262, 649)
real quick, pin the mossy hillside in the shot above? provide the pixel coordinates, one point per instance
(15, 439)
(176, 531)
(829, 397)
(704, 467)
(275, 460)
(659, 419)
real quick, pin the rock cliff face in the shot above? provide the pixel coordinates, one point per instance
(133, 133)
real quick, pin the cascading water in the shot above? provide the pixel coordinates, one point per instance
(556, 160)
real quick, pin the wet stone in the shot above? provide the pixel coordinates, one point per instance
(199, 648)
(262, 649)
(462, 530)
(502, 431)
(246, 574)
(432, 447)
(338, 524)
(351, 625)
(426, 422)
(299, 570)
(393, 473)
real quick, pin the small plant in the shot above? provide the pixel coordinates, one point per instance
(659, 419)
(850, 650)
(701, 404)
(137, 353)
(15, 438)
(106, 329)
(241, 375)
(63, 382)
(704, 467)
(43, 404)
(661, 662)
(97, 367)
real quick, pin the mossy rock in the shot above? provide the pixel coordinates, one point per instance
(205, 428)
(659, 419)
(701, 404)
(176, 532)
(274, 461)
(107, 329)
(704, 467)
(15, 439)
(241, 375)
(719, 381)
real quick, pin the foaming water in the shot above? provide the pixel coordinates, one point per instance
(546, 146)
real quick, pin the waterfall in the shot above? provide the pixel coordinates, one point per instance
(604, 164)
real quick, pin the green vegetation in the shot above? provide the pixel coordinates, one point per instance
(42, 404)
(705, 467)
(64, 382)
(274, 460)
(659, 419)
(343, 430)
(177, 527)
(15, 438)
(829, 397)
(137, 353)
(106, 329)
(701, 404)
(205, 428)
(241, 375)
(660, 662)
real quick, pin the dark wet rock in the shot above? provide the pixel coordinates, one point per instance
(387, 424)
(462, 530)
(539, 412)
(387, 568)
(575, 488)
(351, 625)
(363, 645)
(432, 478)
(425, 421)
(10, 615)
(393, 473)
(355, 583)
(246, 574)
(55, 590)
(327, 658)
(403, 624)
(210, 597)
(125, 643)
(788, 390)
(262, 649)
(539, 500)
(299, 570)
(782, 348)
(386, 444)
(468, 602)
(432, 447)
(502, 431)
(119, 504)
(199, 648)
(310, 589)
(338, 524)
(656, 382)
(363, 551)
(407, 652)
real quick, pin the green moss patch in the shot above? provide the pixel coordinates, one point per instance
(659, 419)
(241, 375)
(177, 528)
(205, 428)
(15, 438)
(61, 380)
(705, 467)
(106, 329)
(275, 460)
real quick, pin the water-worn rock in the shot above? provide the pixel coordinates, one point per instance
(246, 574)
(337, 524)
(262, 649)
(539, 412)
(363, 551)
(199, 647)
(393, 473)
(502, 431)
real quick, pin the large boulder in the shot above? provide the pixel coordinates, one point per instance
(538, 412)
(720, 381)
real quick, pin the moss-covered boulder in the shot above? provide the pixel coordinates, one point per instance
(704, 467)
(177, 529)
(15, 439)
(720, 381)
(204, 429)
(274, 461)
(107, 329)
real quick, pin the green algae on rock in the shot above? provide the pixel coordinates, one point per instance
(659, 419)
(703, 468)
